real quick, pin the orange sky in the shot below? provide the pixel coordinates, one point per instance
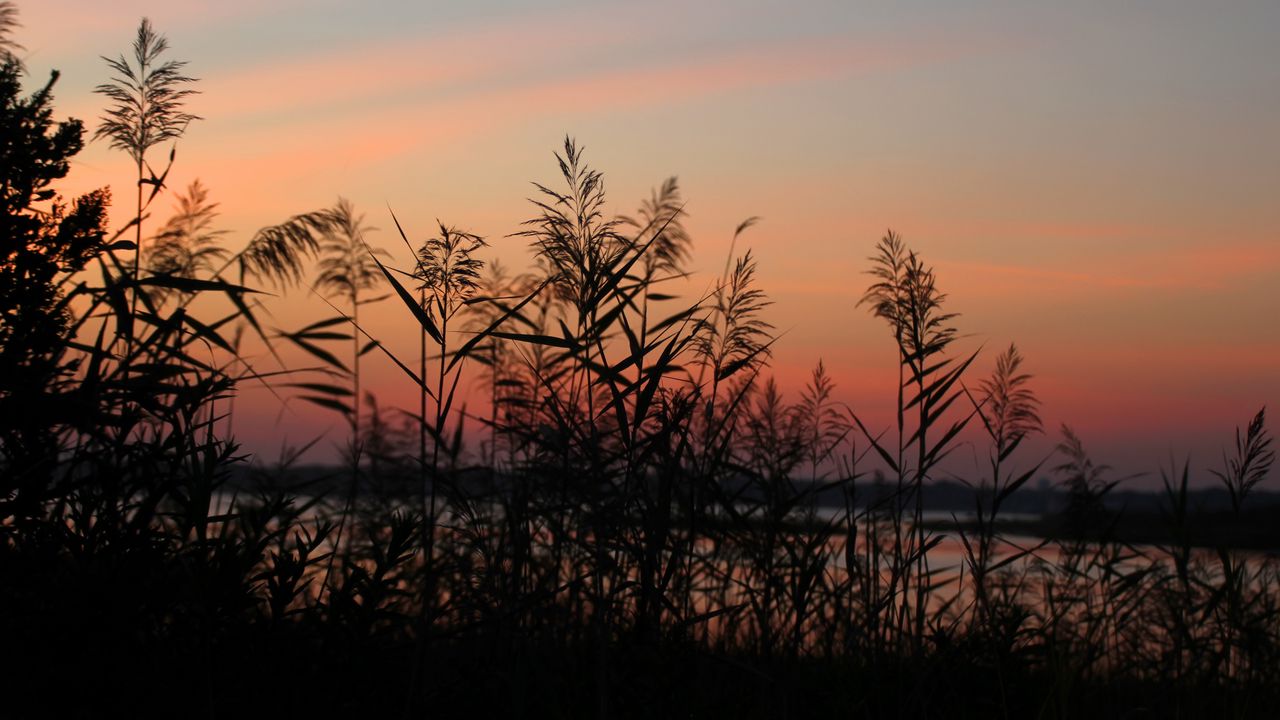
(1095, 183)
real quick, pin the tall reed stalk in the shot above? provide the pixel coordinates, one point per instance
(148, 96)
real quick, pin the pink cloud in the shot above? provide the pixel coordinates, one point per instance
(1191, 268)
(355, 132)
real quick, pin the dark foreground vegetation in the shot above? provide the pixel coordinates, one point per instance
(627, 533)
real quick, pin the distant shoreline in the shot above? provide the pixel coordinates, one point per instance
(1132, 516)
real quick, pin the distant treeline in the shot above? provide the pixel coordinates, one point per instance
(1044, 497)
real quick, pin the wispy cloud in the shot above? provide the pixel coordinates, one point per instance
(353, 111)
(1175, 269)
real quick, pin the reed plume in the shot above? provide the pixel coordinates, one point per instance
(149, 96)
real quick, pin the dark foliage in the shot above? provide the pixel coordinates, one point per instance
(649, 530)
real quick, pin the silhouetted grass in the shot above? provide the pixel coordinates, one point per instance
(642, 535)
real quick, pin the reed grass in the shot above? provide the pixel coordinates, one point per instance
(649, 531)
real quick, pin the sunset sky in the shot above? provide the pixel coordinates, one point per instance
(1094, 181)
